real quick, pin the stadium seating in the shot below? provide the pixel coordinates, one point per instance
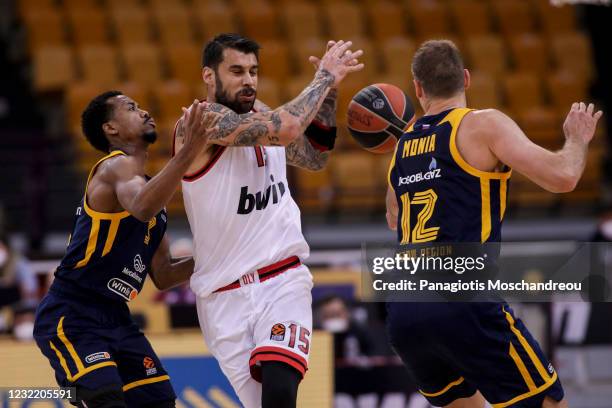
(526, 57)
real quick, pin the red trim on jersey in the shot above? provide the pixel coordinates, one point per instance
(260, 156)
(267, 272)
(271, 353)
(214, 158)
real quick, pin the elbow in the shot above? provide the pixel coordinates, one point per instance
(565, 183)
(143, 213)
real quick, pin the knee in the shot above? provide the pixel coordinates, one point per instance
(110, 396)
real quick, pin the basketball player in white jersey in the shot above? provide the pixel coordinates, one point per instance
(253, 293)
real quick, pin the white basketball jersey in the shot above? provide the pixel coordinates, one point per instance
(241, 214)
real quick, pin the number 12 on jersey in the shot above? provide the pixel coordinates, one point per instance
(420, 233)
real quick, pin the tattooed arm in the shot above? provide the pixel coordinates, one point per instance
(300, 152)
(284, 124)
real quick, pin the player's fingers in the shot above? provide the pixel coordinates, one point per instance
(340, 50)
(355, 68)
(314, 61)
(598, 115)
(334, 47)
(575, 106)
(582, 107)
(356, 54)
(590, 109)
(330, 44)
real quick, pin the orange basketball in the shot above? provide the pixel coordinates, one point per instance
(378, 115)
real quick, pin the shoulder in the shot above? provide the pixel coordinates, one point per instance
(118, 167)
(486, 117)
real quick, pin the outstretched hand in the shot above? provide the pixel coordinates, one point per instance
(338, 60)
(581, 122)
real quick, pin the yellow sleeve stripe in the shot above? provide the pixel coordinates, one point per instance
(485, 211)
(443, 390)
(146, 381)
(110, 238)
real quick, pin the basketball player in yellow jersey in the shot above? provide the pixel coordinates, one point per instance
(463, 353)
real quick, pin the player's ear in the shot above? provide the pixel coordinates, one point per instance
(467, 79)
(208, 75)
(109, 128)
(418, 89)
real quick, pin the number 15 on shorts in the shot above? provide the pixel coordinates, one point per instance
(298, 336)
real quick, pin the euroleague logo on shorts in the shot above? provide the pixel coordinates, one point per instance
(278, 332)
(149, 366)
(433, 173)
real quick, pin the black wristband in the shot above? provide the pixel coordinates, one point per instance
(321, 137)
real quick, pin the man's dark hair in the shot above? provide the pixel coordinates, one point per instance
(213, 51)
(97, 113)
(438, 67)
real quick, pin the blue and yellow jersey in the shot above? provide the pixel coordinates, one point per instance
(441, 197)
(109, 254)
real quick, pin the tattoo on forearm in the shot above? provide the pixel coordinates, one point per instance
(300, 153)
(306, 104)
(327, 112)
(251, 135)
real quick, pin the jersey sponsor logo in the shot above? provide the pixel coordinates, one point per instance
(101, 355)
(418, 146)
(260, 200)
(122, 288)
(278, 332)
(149, 365)
(433, 173)
(139, 266)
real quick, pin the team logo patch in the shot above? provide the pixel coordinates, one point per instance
(149, 366)
(101, 355)
(278, 332)
(551, 369)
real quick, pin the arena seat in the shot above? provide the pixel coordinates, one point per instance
(572, 52)
(45, 27)
(513, 16)
(397, 53)
(214, 18)
(184, 62)
(555, 19)
(314, 189)
(428, 18)
(302, 50)
(174, 25)
(259, 20)
(302, 20)
(486, 53)
(53, 68)
(529, 53)
(483, 92)
(470, 17)
(131, 25)
(564, 89)
(88, 26)
(142, 63)
(99, 64)
(168, 98)
(386, 19)
(275, 60)
(345, 20)
(269, 92)
(77, 95)
(355, 183)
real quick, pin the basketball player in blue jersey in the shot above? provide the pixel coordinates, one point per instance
(83, 325)
(463, 353)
